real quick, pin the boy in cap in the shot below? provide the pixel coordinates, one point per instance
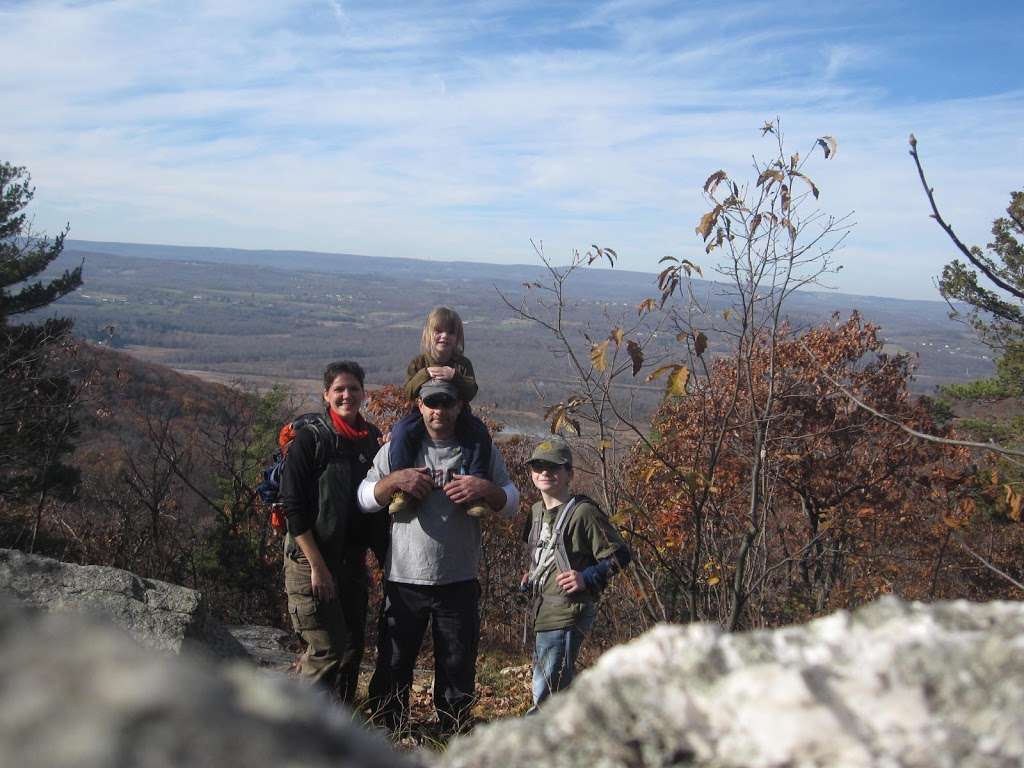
(574, 550)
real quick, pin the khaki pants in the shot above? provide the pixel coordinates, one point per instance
(335, 631)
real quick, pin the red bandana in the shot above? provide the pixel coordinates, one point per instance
(346, 430)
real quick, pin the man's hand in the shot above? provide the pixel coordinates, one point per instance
(570, 581)
(415, 481)
(462, 489)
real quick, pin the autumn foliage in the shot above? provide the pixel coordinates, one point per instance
(853, 506)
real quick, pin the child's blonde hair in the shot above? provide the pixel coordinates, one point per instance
(442, 319)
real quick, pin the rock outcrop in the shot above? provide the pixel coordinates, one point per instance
(266, 646)
(158, 615)
(78, 693)
(892, 685)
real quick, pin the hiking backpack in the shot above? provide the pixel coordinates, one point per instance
(269, 489)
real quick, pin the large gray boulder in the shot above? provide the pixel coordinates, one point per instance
(77, 693)
(891, 685)
(158, 615)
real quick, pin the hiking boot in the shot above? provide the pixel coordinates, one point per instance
(477, 509)
(401, 502)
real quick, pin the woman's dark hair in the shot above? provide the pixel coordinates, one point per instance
(335, 369)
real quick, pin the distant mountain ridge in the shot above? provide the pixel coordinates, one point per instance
(274, 315)
(352, 264)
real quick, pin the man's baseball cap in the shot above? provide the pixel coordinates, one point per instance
(554, 450)
(438, 387)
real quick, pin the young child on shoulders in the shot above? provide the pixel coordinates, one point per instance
(574, 550)
(442, 348)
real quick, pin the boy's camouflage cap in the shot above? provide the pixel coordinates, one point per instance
(554, 450)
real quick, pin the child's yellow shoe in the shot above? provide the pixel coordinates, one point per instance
(477, 509)
(401, 502)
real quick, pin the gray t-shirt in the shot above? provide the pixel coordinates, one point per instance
(437, 542)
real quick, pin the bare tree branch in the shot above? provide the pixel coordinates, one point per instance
(995, 448)
(990, 273)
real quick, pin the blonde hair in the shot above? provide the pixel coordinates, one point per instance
(442, 319)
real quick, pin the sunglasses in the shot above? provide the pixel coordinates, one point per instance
(544, 466)
(440, 401)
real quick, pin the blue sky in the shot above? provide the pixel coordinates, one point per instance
(447, 130)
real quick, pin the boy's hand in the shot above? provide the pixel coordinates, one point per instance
(570, 581)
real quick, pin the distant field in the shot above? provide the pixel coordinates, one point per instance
(263, 324)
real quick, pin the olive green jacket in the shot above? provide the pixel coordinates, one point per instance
(589, 536)
(464, 379)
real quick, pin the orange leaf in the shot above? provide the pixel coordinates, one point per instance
(597, 356)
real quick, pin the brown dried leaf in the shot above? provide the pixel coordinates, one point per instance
(719, 237)
(660, 371)
(689, 266)
(770, 175)
(556, 413)
(598, 358)
(1013, 501)
(713, 181)
(830, 145)
(677, 380)
(645, 306)
(814, 187)
(700, 343)
(636, 355)
(786, 200)
(707, 222)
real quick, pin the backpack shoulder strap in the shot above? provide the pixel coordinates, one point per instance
(558, 533)
(324, 437)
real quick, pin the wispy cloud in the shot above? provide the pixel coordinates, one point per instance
(461, 130)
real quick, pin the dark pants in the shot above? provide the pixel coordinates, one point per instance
(335, 631)
(453, 612)
(408, 432)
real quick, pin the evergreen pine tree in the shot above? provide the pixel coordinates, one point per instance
(37, 399)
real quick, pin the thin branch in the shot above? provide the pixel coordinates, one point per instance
(993, 447)
(968, 254)
(986, 563)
